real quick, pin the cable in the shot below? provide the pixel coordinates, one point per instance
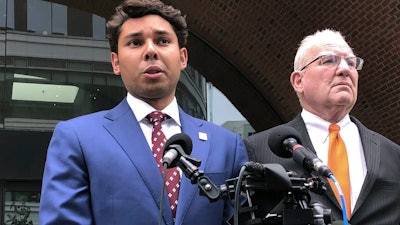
(162, 192)
(237, 195)
(344, 211)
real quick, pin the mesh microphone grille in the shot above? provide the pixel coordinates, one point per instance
(278, 135)
(180, 139)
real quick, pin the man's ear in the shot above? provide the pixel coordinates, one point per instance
(184, 57)
(296, 79)
(115, 63)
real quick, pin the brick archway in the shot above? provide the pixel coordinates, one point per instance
(246, 49)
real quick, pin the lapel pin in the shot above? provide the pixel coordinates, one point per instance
(202, 136)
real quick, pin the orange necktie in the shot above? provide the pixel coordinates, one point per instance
(339, 165)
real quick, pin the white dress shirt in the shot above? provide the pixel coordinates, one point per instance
(317, 129)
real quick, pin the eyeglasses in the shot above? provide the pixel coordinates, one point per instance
(333, 60)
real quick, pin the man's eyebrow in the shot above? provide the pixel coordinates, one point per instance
(140, 33)
(162, 32)
(135, 34)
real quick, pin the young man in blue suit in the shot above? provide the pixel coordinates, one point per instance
(100, 168)
(325, 79)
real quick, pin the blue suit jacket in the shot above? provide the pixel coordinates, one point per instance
(100, 170)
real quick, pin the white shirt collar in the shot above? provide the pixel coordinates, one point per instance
(141, 108)
(314, 122)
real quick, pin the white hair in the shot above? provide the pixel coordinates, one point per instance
(319, 39)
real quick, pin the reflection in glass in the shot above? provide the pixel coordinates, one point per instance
(21, 208)
(99, 27)
(59, 19)
(55, 66)
(38, 101)
(38, 18)
(6, 9)
(81, 18)
(3, 14)
(44, 92)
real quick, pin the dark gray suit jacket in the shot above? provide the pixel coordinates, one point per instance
(379, 200)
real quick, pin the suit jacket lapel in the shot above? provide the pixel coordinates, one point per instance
(192, 128)
(124, 128)
(372, 159)
(299, 125)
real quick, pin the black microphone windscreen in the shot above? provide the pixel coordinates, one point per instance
(278, 135)
(180, 139)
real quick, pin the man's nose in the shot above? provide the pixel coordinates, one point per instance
(151, 52)
(344, 64)
(344, 68)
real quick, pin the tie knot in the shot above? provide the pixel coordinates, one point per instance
(156, 116)
(334, 128)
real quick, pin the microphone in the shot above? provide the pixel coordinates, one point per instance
(278, 178)
(175, 149)
(178, 145)
(285, 142)
(254, 167)
(176, 153)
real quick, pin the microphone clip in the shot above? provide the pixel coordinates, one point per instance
(189, 167)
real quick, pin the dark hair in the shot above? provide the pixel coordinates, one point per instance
(139, 8)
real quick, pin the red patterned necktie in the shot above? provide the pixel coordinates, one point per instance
(338, 163)
(158, 140)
